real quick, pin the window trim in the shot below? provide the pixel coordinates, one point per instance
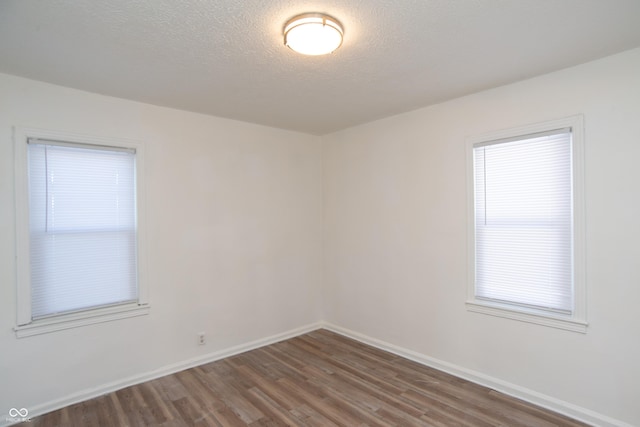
(577, 320)
(25, 326)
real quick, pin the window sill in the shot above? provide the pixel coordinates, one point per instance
(533, 316)
(75, 320)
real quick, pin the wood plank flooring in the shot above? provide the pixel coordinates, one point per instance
(317, 379)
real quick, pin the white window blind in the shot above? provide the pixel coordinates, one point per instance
(82, 226)
(523, 221)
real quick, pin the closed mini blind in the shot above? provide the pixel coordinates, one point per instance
(523, 221)
(82, 223)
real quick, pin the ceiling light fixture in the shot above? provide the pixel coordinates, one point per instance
(313, 34)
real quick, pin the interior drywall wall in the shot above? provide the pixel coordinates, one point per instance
(395, 205)
(234, 214)
(234, 243)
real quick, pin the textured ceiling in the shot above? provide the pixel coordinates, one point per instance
(226, 57)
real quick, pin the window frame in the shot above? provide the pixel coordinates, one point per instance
(577, 320)
(25, 325)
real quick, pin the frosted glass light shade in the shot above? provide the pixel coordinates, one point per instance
(313, 34)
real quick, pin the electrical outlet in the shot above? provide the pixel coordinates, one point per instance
(201, 338)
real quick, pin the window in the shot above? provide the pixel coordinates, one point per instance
(526, 225)
(79, 240)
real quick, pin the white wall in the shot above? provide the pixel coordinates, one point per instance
(234, 236)
(395, 237)
(235, 215)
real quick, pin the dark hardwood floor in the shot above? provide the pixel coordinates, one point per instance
(317, 379)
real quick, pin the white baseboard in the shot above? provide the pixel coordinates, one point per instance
(165, 370)
(548, 402)
(519, 392)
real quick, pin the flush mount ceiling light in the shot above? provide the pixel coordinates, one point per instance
(313, 34)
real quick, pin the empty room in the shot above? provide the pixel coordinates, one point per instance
(319, 213)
